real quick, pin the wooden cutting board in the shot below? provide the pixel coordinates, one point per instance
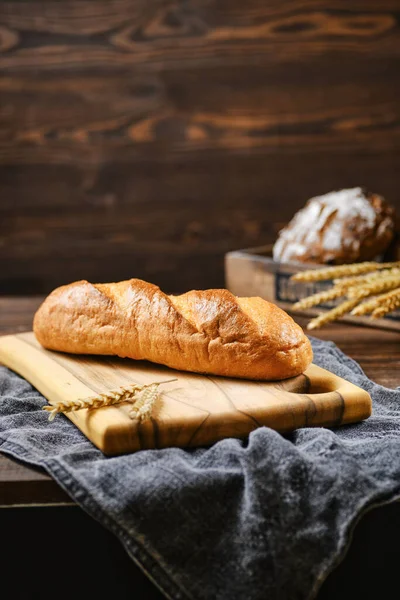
(194, 410)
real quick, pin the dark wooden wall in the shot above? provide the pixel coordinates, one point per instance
(146, 138)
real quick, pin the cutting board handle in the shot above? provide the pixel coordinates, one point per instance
(325, 386)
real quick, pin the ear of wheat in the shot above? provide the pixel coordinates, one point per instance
(143, 407)
(132, 393)
(366, 288)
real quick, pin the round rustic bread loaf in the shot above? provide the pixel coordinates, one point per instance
(346, 226)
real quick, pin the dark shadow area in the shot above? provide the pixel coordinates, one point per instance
(370, 568)
(61, 552)
(52, 553)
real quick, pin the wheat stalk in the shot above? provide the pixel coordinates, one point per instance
(387, 305)
(374, 287)
(355, 283)
(361, 287)
(347, 282)
(143, 406)
(319, 298)
(368, 306)
(330, 273)
(117, 396)
(333, 314)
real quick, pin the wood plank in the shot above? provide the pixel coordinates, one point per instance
(21, 485)
(156, 136)
(230, 108)
(377, 351)
(124, 227)
(120, 33)
(16, 313)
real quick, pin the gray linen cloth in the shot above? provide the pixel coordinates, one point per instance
(265, 517)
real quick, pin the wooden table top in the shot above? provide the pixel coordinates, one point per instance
(377, 351)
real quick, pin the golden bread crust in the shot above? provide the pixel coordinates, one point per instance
(204, 331)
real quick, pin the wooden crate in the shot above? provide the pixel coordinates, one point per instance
(253, 272)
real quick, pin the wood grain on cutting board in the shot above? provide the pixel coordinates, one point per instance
(194, 410)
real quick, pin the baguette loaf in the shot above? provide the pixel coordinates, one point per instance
(210, 331)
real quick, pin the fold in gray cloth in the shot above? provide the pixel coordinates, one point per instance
(265, 517)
